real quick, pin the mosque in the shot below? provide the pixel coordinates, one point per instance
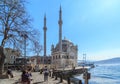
(64, 53)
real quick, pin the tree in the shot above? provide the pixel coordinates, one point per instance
(15, 26)
(37, 48)
(2, 57)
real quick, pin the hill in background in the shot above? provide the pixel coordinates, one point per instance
(109, 61)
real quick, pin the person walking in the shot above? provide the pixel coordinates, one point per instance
(9, 73)
(30, 75)
(46, 73)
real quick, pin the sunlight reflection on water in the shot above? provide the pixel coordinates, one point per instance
(104, 74)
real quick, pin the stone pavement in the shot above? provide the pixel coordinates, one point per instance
(36, 76)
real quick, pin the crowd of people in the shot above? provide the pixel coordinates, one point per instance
(26, 76)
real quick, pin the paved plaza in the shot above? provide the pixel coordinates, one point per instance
(36, 76)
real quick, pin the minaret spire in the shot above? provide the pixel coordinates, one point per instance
(60, 29)
(60, 14)
(44, 20)
(45, 29)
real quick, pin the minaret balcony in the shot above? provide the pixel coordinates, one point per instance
(60, 22)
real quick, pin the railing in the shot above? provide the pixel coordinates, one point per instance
(68, 75)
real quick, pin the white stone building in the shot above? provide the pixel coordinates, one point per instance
(11, 55)
(65, 53)
(66, 58)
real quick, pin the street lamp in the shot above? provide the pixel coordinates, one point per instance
(25, 36)
(8, 56)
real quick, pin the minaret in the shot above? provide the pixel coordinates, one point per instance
(45, 29)
(60, 30)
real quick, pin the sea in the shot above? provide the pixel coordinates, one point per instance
(104, 74)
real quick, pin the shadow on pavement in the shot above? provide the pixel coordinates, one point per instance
(38, 82)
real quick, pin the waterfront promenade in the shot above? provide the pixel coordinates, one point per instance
(39, 78)
(36, 76)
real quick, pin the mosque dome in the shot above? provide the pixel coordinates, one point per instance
(65, 44)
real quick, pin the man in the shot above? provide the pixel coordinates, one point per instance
(46, 73)
(9, 73)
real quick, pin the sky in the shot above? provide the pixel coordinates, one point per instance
(93, 25)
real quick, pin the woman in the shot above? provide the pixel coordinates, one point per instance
(30, 75)
(25, 77)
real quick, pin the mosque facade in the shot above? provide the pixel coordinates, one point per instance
(64, 53)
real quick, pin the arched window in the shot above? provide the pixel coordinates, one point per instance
(67, 57)
(14, 57)
(59, 56)
(53, 57)
(56, 56)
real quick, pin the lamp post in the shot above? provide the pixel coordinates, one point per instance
(14, 54)
(8, 56)
(25, 37)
